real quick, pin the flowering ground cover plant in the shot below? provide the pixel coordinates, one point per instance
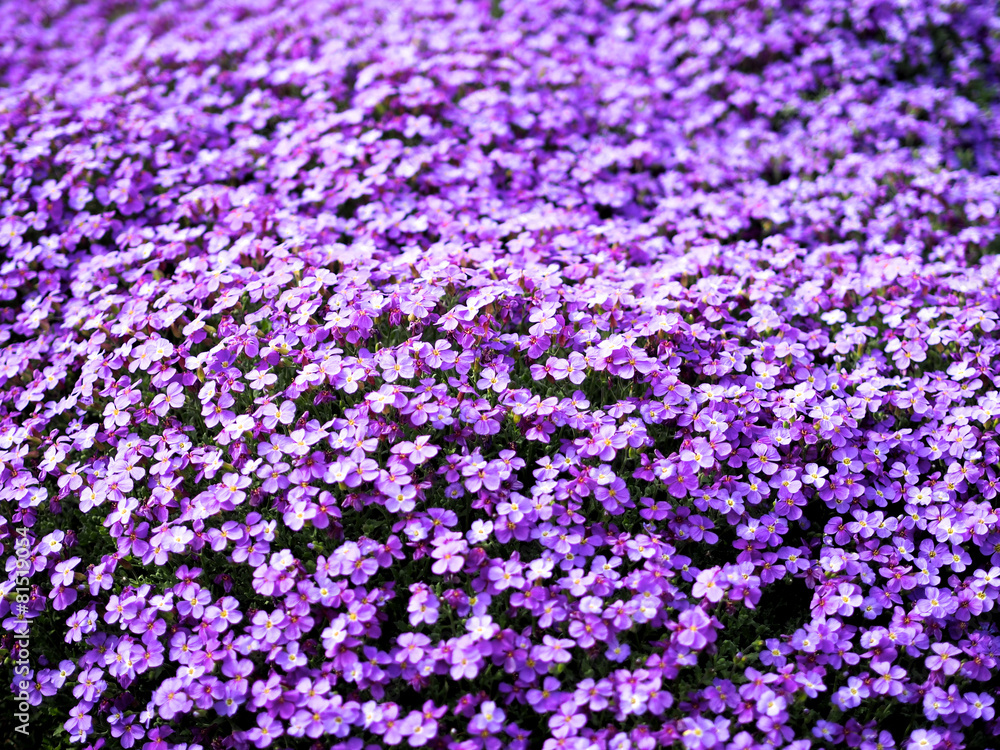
(535, 374)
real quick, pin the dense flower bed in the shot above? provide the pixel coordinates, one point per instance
(536, 374)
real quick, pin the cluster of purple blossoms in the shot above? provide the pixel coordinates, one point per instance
(476, 375)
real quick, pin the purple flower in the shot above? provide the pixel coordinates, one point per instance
(943, 660)
(267, 730)
(694, 629)
(702, 292)
(936, 603)
(449, 556)
(890, 678)
(851, 694)
(923, 739)
(554, 650)
(412, 647)
(566, 721)
(700, 732)
(90, 685)
(171, 699)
